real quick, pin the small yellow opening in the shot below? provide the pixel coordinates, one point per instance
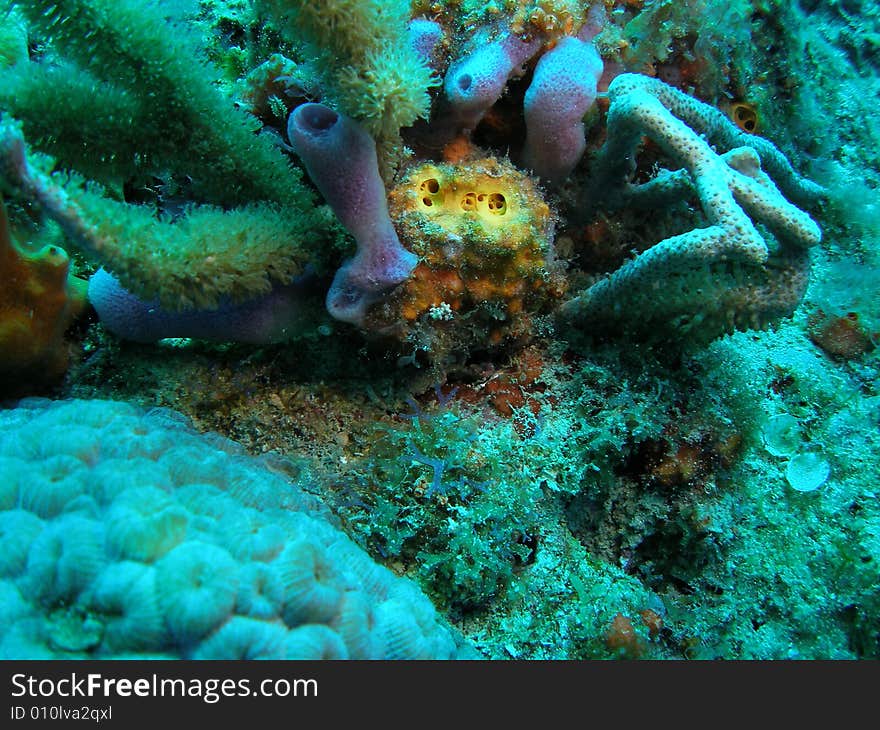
(745, 116)
(469, 201)
(429, 193)
(497, 204)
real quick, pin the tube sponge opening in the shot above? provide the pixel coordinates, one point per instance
(315, 119)
(477, 81)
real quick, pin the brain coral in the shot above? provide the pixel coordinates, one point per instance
(151, 540)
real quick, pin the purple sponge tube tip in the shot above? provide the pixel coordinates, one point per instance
(474, 83)
(426, 39)
(562, 90)
(340, 158)
(274, 317)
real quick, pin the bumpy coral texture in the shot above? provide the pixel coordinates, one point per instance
(712, 279)
(563, 89)
(124, 534)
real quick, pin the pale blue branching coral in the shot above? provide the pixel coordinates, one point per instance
(126, 534)
(714, 279)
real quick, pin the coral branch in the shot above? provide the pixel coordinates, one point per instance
(698, 285)
(165, 110)
(369, 64)
(633, 93)
(193, 262)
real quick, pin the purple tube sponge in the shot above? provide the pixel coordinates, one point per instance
(562, 90)
(426, 38)
(474, 83)
(274, 317)
(340, 158)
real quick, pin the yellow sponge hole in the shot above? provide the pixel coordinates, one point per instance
(430, 195)
(470, 196)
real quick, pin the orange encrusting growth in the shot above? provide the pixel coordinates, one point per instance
(39, 299)
(841, 336)
(548, 19)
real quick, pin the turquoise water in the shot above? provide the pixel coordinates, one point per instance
(369, 329)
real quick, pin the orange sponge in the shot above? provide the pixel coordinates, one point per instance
(38, 301)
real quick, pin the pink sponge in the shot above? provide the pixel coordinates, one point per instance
(340, 158)
(474, 83)
(563, 89)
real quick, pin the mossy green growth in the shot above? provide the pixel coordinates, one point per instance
(195, 258)
(205, 254)
(716, 38)
(94, 131)
(798, 578)
(445, 496)
(13, 36)
(162, 114)
(231, 36)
